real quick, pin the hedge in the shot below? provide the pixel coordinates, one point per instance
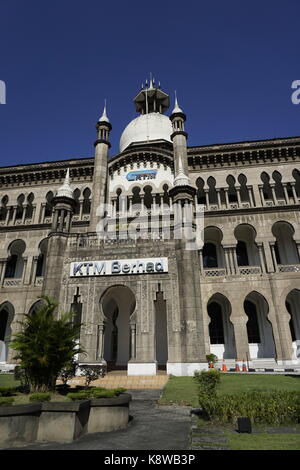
(270, 408)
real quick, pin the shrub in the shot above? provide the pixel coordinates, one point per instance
(7, 391)
(119, 390)
(63, 389)
(40, 397)
(92, 372)
(103, 394)
(83, 395)
(45, 344)
(5, 401)
(211, 358)
(68, 372)
(208, 381)
(265, 408)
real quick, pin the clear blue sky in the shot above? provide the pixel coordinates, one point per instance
(232, 63)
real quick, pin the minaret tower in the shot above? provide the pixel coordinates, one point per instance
(183, 196)
(182, 189)
(99, 192)
(64, 203)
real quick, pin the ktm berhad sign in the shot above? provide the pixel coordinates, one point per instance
(119, 267)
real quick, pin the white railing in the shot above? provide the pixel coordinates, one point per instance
(246, 270)
(39, 281)
(12, 282)
(289, 268)
(215, 272)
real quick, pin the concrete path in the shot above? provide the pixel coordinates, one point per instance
(153, 427)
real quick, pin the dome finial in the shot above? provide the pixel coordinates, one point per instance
(176, 109)
(65, 190)
(151, 81)
(104, 117)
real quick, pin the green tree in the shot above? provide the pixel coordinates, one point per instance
(45, 345)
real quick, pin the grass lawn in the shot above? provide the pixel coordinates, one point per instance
(7, 380)
(263, 441)
(183, 390)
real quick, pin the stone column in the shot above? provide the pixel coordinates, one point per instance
(206, 198)
(294, 193)
(298, 248)
(238, 193)
(239, 320)
(227, 260)
(272, 245)
(201, 262)
(68, 221)
(142, 204)
(3, 263)
(234, 258)
(80, 208)
(226, 197)
(34, 268)
(7, 215)
(100, 345)
(43, 208)
(274, 194)
(132, 341)
(55, 221)
(252, 203)
(261, 257)
(219, 198)
(161, 201)
(14, 215)
(62, 219)
(24, 213)
(24, 270)
(286, 196)
(262, 198)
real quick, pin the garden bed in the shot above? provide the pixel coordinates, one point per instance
(62, 421)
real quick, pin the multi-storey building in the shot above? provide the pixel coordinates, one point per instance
(147, 298)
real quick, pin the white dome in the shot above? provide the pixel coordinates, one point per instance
(147, 127)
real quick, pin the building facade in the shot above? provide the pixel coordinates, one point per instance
(165, 253)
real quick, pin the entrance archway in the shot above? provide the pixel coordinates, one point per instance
(259, 327)
(118, 304)
(6, 318)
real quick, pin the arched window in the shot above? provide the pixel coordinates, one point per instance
(3, 323)
(232, 195)
(277, 177)
(267, 191)
(41, 261)
(216, 329)
(242, 254)
(3, 208)
(200, 192)
(86, 201)
(291, 322)
(209, 253)
(252, 323)
(296, 175)
(20, 208)
(212, 193)
(29, 208)
(15, 261)
(76, 196)
(49, 204)
(11, 265)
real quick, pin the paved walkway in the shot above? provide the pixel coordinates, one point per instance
(116, 379)
(153, 427)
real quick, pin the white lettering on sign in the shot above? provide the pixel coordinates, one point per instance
(118, 267)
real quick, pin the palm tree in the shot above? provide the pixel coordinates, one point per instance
(46, 345)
